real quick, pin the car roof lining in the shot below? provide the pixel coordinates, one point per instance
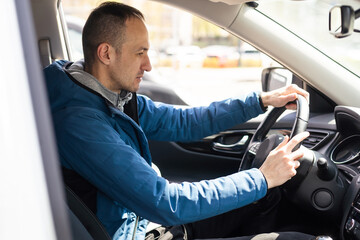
(208, 10)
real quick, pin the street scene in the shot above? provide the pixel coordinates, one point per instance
(210, 84)
(198, 61)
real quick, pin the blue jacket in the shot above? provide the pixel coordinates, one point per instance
(110, 150)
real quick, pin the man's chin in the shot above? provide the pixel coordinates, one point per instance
(134, 89)
(137, 85)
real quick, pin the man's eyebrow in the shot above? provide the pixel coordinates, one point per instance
(142, 49)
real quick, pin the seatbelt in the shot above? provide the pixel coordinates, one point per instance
(86, 216)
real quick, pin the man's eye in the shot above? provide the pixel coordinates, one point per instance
(140, 53)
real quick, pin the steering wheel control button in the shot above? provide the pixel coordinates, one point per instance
(323, 238)
(322, 199)
(264, 148)
(254, 148)
(350, 224)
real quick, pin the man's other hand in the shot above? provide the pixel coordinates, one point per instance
(281, 163)
(281, 96)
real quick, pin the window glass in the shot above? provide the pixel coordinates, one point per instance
(192, 59)
(310, 21)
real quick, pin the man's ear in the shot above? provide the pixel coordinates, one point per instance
(104, 53)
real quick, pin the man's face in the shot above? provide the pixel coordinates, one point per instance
(132, 60)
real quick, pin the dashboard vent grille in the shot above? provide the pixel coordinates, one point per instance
(314, 139)
(349, 172)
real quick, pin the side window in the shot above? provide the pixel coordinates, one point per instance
(75, 25)
(194, 62)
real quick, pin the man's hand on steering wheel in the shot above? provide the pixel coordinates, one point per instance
(282, 96)
(281, 163)
(276, 156)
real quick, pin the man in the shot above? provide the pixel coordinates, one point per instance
(102, 129)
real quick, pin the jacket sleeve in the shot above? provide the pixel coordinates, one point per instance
(171, 123)
(94, 149)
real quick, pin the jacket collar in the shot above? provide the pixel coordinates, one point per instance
(118, 100)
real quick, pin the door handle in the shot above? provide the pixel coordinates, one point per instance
(237, 147)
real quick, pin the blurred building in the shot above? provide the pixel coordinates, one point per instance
(170, 27)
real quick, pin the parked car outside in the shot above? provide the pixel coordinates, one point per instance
(250, 56)
(184, 56)
(220, 56)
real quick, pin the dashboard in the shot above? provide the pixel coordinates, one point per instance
(346, 154)
(336, 136)
(347, 151)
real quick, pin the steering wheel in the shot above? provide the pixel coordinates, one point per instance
(318, 186)
(260, 145)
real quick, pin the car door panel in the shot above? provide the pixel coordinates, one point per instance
(179, 164)
(221, 154)
(214, 156)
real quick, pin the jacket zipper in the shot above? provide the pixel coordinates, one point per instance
(136, 223)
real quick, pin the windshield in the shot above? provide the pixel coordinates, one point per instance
(309, 20)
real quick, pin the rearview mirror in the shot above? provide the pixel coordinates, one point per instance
(341, 20)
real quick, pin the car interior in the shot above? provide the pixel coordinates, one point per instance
(323, 198)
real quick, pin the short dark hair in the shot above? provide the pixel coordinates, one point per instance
(106, 23)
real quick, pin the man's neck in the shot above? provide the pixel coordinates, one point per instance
(90, 80)
(101, 75)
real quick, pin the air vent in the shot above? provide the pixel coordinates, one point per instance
(349, 172)
(314, 139)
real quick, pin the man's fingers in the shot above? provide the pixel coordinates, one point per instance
(296, 155)
(283, 143)
(304, 93)
(296, 140)
(291, 106)
(290, 97)
(296, 164)
(297, 89)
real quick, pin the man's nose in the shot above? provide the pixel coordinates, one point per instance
(147, 64)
